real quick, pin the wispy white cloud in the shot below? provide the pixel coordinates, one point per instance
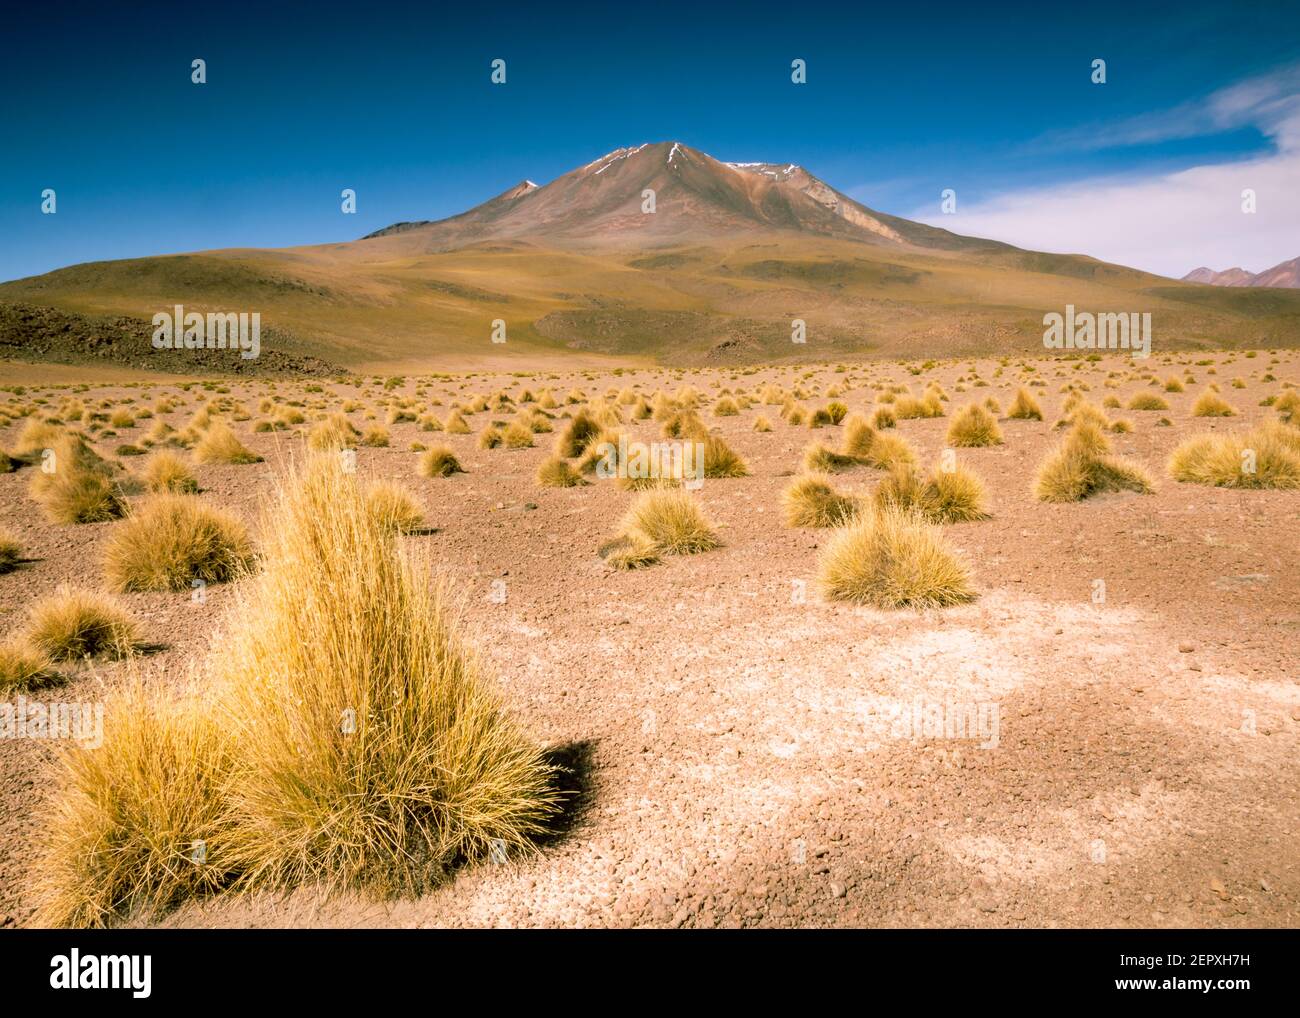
(1166, 222)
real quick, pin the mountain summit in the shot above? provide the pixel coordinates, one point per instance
(1284, 274)
(695, 197)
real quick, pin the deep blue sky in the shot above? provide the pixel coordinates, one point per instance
(395, 101)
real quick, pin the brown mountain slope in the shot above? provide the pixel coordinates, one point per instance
(730, 256)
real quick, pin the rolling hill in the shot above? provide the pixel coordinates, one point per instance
(730, 254)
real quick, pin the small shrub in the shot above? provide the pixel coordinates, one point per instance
(173, 540)
(72, 624)
(891, 559)
(439, 461)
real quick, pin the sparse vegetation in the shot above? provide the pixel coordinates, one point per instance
(1267, 457)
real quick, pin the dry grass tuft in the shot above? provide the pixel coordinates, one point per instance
(11, 551)
(22, 667)
(380, 756)
(821, 459)
(219, 445)
(173, 540)
(974, 426)
(131, 815)
(946, 496)
(1082, 466)
(1024, 407)
(892, 559)
(859, 436)
(557, 472)
(720, 460)
(577, 435)
(1267, 457)
(891, 451)
(1148, 401)
(812, 501)
(671, 521)
(165, 471)
(79, 487)
(439, 461)
(73, 624)
(629, 551)
(394, 507)
(1211, 404)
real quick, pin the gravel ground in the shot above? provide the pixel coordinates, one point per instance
(739, 748)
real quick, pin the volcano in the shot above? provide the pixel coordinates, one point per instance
(656, 252)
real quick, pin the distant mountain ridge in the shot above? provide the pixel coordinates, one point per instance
(1284, 274)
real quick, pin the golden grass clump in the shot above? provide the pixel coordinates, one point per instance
(22, 667)
(517, 436)
(1211, 404)
(373, 753)
(439, 461)
(165, 471)
(1148, 401)
(394, 507)
(973, 426)
(1024, 407)
(219, 445)
(79, 485)
(334, 432)
(859, 435)
(36, 436)
(883, 418)
(629, 551)
(671, 521)
(1287, 406)
(489, 437)
(890, 451)
(376, 437)
(577, 435)
(1082, 466)
(456, 424)
(946, 496)
(72, 624)
(811, 500)
(893, 559)
(720, 460)
(557, 472)
(725, 407)
(138, 823)
(908, 407)
(822, 459)
(11, 551)
(1267, 457)
(173, 540)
